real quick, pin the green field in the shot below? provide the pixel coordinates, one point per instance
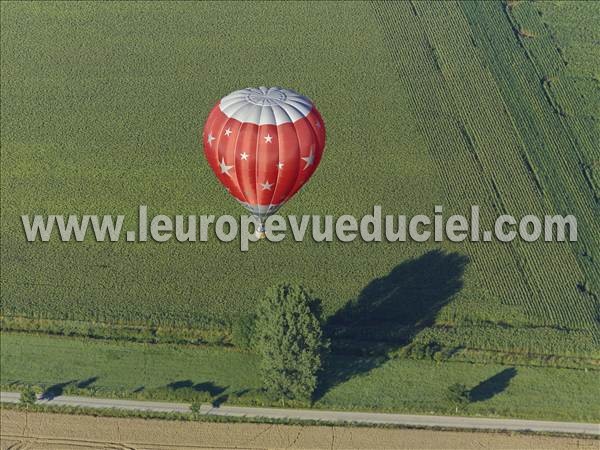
(71, 365)
(425, 103)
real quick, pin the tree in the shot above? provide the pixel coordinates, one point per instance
(289, 338)
(28, 396)
(458, 395)
(195, 409)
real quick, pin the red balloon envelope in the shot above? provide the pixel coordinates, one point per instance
(264, 144)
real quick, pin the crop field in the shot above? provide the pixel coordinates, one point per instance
(425, 103)
(49, 431)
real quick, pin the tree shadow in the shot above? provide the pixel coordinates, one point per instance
(208, 386)
(493, 385)
(59, 388)
(242, 392)
(55, 390)
(388, 313)
(212, 389)
(220, 400)
(87, 382)
(181, 384)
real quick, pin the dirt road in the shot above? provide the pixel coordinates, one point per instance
(327, 416)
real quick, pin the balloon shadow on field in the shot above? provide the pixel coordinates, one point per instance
(388, 313)
(493, 385)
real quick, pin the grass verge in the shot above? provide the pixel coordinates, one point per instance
(189, 373)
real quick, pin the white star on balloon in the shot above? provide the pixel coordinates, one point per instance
(244, 156)
(266, 186)
(310, 159)
(280, 166)
(268, 139)
(210, 139)
(228, 132)
(224, 167)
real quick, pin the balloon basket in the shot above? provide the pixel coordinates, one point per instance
(260, 232)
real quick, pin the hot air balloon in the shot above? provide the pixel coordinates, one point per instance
(264, 144)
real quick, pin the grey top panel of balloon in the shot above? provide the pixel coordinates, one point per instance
(266, 105)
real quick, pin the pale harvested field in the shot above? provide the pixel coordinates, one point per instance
(66, 432)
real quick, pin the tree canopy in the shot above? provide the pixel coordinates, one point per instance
(290, 340)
